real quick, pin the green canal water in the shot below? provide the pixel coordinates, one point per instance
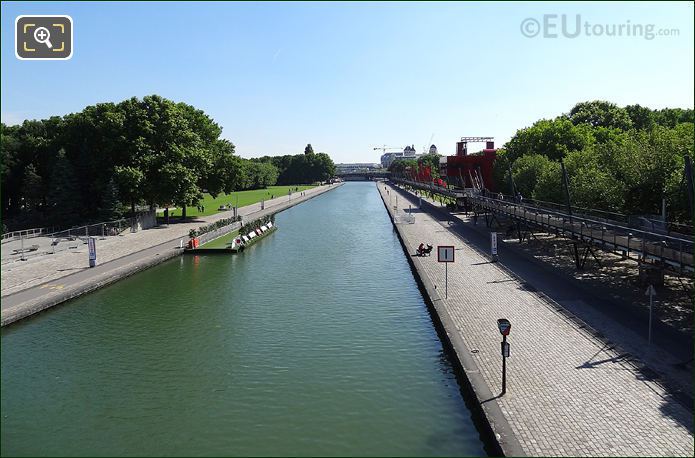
(315, 341)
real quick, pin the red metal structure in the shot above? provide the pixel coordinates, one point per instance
(470, 170)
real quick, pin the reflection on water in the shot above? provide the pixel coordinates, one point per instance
(315, 341)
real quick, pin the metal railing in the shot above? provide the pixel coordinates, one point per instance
(674, 249)
(633, 243)
(26, 233)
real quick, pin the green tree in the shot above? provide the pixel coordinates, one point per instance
(553, 139)
(599, 113)
(128, 181)
(110, 204)
(641, 117)
(32, 188)
(228, 172)
(527, 170)
(63, 200)
(432, 161)
(591, 183)
(549, 186)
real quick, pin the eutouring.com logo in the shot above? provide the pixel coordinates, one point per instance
(572, 26)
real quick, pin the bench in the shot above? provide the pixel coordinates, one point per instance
(25, 250)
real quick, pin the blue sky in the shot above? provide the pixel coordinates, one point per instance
(347, 77)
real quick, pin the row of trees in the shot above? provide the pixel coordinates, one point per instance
(309, 167)
(399, 167)
(85, 166)
(617, 159)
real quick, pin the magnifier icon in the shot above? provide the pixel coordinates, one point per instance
(42, 35)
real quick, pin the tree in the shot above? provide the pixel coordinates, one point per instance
(128, 180)
(308, 149)
(526, 172)
(228, 172)
(261, 174)
(592, 185)
(110, 205)
(549, 186)
(63, 200)
(553, 139)
(432, 161)
(403, 167)
(641, 117)
(600, 113)
(32, 188)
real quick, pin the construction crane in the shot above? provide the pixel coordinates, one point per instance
(383, 148)
(426, 148)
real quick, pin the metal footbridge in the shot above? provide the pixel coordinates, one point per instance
(673, 251)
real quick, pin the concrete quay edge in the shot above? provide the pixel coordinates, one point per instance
(496, 427)
(32, 307)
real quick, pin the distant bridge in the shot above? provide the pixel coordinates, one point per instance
(363, 176)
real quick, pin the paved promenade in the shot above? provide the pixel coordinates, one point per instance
(568, 393)
(41, 282)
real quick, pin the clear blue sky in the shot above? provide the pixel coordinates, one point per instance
(350, 76)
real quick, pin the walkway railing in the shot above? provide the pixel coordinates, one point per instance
(675, 250)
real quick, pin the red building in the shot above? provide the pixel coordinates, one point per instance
(470, 170)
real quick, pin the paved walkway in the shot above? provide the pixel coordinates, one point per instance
(568, 393)
(41, 283)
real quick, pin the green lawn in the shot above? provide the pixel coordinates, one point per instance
(221, 242)
(244, 198)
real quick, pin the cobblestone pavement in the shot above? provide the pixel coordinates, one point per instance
(20, 275)
(619, 324)
(567, 393)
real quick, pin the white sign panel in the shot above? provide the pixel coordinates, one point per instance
(445, 253)
(92, 243)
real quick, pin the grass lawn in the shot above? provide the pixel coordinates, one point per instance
(245, 198)
(221, 242)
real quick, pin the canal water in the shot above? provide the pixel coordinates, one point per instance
(315, 341)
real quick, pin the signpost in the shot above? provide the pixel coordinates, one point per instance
(651, 292)
(493, 245)
(445, 254)
(92, 243)
(504, 327)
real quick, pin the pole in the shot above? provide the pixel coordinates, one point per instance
(446, 280)
(690, 187)
(566, 183)
(504, 366)
(21, 237)
(651, 303)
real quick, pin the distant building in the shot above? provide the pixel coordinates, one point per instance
(433, 149)
(408, 153)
